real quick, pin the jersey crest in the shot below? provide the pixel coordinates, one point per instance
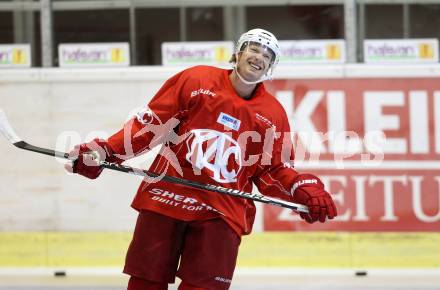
(214, 152)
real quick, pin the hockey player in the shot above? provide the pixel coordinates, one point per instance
(216, 126)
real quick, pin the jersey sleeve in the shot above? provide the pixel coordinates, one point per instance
(275, 173)
(154, 124)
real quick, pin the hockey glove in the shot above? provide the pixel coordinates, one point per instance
(86, 158)
(309, 190)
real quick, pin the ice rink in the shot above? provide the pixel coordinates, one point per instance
(345, 280)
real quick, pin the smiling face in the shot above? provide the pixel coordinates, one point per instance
(254, 61)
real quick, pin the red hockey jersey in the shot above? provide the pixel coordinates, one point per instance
(210, 135)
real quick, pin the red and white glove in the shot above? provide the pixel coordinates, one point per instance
(309, 190)
(85, 158)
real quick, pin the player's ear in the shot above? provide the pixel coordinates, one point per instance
(234, 58)
(238, 55)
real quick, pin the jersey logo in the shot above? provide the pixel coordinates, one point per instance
(229, 121)
(203, 92)
(265, 120)
(145, 116)
(215, 153)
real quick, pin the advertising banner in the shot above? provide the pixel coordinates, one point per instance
(376, 145)
(15, 55)
(401, 50)
(331, 51)
(193, 53)
(94, 54)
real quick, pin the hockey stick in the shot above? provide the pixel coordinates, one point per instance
(7, 131)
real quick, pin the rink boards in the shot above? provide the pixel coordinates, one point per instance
(274, 249)
(389, 213)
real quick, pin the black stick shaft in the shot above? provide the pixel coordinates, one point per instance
(50, 152)
(171, 179)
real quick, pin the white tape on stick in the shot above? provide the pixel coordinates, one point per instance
(6, 129)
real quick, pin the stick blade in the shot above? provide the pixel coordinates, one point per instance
(6, 129)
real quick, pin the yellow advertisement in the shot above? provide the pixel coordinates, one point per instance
(333, 52)
(18, 56)
(426, 50)
(222, 54)
(117, 56)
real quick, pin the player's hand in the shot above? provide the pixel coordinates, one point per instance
(309, 190)
(85, 158)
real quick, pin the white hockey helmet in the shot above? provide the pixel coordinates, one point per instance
(266, 39)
